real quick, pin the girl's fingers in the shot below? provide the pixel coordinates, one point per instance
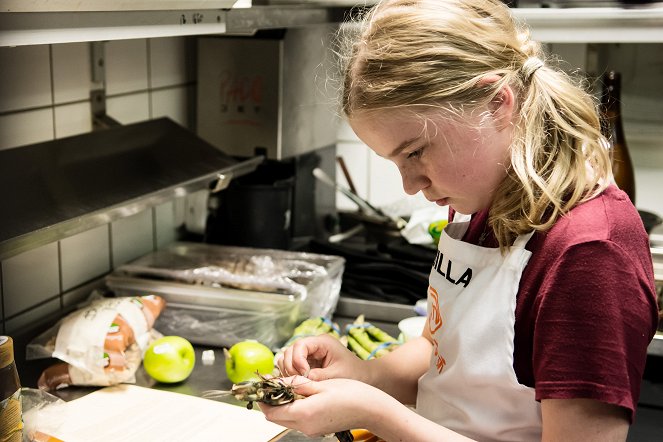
(304, 386)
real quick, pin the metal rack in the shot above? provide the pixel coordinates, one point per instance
(62, 187)
(63, 21)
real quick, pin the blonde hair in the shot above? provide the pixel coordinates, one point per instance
(414, 54)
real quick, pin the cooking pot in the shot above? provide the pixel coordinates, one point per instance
(650, 220)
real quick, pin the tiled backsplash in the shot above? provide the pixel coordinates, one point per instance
(49, 279)
(44, 94)
(45, 89)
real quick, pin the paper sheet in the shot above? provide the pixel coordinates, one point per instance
(131, 413)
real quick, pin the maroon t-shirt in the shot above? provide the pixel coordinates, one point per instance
(586, 307)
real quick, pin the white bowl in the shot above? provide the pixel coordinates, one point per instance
(421, 307)
(412, 327)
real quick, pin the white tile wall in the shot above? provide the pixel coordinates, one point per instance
(355, 155)
(126, 66)
(72, 72)
(84, 256)
(165, 225)
(25, 77)
(168, 58)
(44, 94)
(22, 128)
(30, 278)
(171, 103)
(32, 317)
(80, 294)
(132, 237)
(72, 119)
(129, 109)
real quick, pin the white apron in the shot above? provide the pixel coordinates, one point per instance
(471, 386)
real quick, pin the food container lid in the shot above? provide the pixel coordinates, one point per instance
(6, 351)
(241, 278)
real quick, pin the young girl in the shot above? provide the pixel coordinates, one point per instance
(541, 300)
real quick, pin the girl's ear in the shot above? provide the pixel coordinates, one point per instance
(502, 105)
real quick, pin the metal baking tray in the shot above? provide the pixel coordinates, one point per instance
(219, 295)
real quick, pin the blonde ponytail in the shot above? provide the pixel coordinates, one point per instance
(414, 54)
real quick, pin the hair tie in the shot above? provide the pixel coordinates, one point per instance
(531, 65)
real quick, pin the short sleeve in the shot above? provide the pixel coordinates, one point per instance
(594, 322)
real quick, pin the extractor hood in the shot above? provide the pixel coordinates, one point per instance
(58, 188)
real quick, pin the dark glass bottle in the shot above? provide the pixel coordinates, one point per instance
(613, 130)
(11, 423)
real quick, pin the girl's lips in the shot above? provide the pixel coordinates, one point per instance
(442, 202)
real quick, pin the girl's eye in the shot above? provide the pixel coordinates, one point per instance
(415, 154)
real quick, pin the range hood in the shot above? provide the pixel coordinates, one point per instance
(58, 188)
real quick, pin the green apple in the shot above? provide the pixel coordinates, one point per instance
(169, 359)
(246, 358)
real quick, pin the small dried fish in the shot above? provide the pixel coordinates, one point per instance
(271, 391)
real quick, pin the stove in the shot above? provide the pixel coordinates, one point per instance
(390, 271)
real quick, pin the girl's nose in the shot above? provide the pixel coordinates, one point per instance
(413, 182)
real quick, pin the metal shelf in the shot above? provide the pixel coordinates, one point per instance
(638, 24)
(61, 21)
(594, 25)
(23, 28)
(62, 187)
(111, 5)
(34, 28)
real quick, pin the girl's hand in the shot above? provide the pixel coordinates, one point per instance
(328, 407)
(319, 358)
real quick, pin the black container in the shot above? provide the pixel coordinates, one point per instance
(279, 205)
(255, 210)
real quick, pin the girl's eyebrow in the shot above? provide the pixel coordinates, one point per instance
(404, 145)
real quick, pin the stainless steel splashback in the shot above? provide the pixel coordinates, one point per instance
(274, 91)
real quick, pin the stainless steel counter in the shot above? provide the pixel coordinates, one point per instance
(204, 377)
(213, 376)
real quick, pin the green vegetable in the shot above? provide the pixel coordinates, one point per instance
(313, 327)
(379, 334)
(373, 340)
(357, 348)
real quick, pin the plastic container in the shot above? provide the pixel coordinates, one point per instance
(412, 327)
(11, 423)
(220, 295)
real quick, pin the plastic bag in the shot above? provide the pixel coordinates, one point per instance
(220, 295)
(99, 344)
(43, 414)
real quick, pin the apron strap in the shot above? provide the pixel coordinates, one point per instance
(522, 240)
(519, 243)
(461, 217)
